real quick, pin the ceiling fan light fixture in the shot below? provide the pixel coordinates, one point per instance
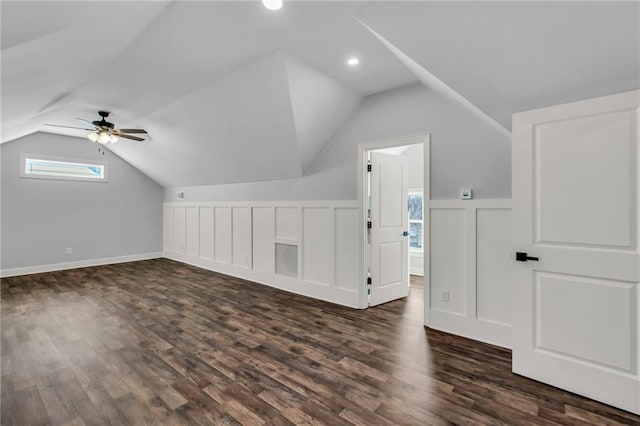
(93, 136)
(113, 139)
(272, 4)
(104, 137)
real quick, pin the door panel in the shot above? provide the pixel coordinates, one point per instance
(391, 181)
(572, 157)
(575, 208)
(389, 219)
(595, 337)
(391, 254)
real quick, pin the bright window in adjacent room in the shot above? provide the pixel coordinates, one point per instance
(415, 221)
(56, 168)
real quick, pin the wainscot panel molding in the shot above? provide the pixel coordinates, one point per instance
(470, 269)
(416, 263)
(13, 272)
(239, 239)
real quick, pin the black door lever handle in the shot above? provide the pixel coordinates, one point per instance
(522, 257)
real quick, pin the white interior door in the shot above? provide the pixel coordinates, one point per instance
(575, 207)
(389, 221)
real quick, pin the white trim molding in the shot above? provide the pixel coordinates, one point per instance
(13, 272)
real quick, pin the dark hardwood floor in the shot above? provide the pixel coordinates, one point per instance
(159, 342)
(416, 281)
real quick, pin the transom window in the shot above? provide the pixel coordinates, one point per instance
(415, 221)
(57, 168)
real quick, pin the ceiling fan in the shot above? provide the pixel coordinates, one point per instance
(104, 132)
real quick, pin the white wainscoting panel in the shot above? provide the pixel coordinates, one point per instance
(239, 239)
(167, 229)
(493, 268)
(263, 237)
(449, 259)
(416, 263)
(241, 236)
(223, 237)
(193, 231)
(317, 237)
(470, 256)
(346, 244)
(288, 223)
(206, 232)
(180, 233)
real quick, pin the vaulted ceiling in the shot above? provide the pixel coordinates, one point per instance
(233, 92)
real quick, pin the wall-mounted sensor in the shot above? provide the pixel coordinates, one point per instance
(180, 195)
(466, 194)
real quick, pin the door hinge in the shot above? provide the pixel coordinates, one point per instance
(368, 285)
(368, 167)
(369, 224)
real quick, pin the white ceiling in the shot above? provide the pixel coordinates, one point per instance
(233, 92)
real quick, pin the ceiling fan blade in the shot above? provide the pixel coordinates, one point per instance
(86, 122)
(122, 135)
(129, 131)
(69, 127)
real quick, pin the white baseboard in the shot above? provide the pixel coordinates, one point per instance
(492, 332)
(4, 273)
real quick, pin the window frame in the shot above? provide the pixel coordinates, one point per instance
(39, 157)
(414, 191)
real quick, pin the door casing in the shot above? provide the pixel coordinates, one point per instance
(363, 149)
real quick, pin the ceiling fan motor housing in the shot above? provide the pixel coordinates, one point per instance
(103, 123)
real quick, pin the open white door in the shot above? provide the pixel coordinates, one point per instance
(389, 221)
(575, 207)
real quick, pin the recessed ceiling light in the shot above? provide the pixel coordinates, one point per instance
(353, 61)
(272, 4)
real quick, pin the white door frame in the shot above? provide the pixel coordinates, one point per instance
(363, 149)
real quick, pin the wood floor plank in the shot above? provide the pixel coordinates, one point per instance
(160, 342)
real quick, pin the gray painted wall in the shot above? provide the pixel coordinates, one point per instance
(464, 153)
(42, 217)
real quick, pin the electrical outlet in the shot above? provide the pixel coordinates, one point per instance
(69, 250)
(444, 295)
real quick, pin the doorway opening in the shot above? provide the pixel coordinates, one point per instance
(393, 192)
